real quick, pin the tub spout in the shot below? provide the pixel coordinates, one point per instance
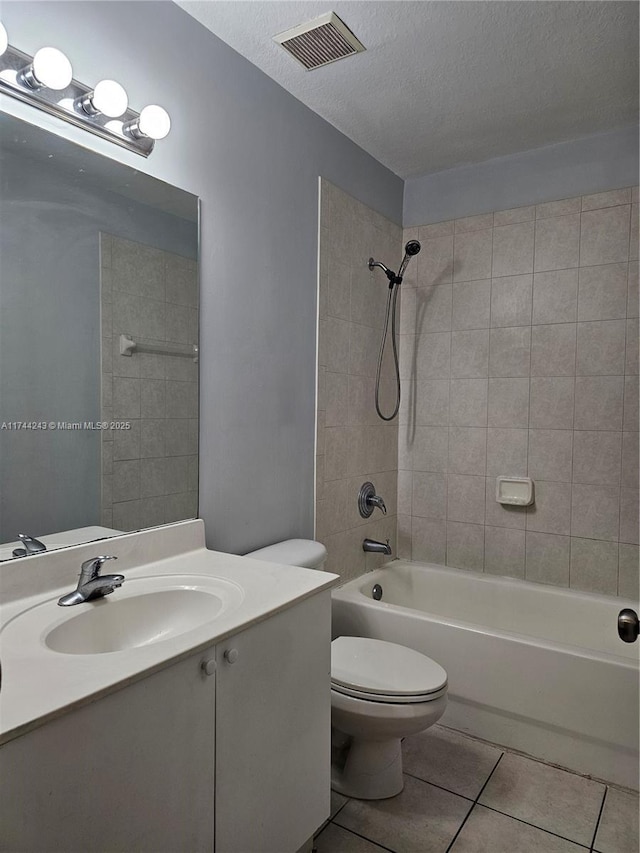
(376, 547)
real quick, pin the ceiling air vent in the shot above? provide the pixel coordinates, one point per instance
(319, 42)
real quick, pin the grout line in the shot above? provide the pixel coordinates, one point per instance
(534, 826)
(475, 802)
(359, 835)
(435, 784)
(597, 826)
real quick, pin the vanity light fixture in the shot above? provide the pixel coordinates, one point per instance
(49, 69)
(46, 81)
(153, 122)
(108, 98)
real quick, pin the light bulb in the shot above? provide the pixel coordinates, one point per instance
(108, 98)
(154, 122)
(50, 68)
(4, 39)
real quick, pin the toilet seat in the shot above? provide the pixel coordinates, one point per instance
(388, 699)
(378, 671)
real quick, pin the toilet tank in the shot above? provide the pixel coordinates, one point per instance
(305, 553)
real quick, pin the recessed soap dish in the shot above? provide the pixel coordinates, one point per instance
(514, 491)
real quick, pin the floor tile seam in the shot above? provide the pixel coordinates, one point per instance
(475, 802)
(364, 837)
(440, 787)
(535, 826)
(597, 826)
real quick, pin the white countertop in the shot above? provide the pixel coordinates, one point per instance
(39, 684)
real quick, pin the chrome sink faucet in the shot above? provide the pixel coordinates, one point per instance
(91, 583)
(31, 546)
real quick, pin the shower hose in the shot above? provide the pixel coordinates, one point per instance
(390, 313)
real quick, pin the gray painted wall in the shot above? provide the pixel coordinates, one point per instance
(253, 153)
(595, 163)
(50, 335)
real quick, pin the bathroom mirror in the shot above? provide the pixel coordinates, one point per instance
(98, 344)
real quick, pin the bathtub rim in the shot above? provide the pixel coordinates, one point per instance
(352, 590)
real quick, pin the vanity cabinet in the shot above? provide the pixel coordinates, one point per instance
(239, 732)
(273, 724)
(132, 771)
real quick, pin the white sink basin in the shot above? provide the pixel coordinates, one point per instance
(142, 612)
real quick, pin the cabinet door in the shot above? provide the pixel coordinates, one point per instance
(273, 731)
(131, 771)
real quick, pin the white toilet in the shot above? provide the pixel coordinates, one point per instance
(380, 693)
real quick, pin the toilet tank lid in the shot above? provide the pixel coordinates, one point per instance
(305, 553)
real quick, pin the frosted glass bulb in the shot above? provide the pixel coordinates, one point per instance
(109, 98)
(154, 122)
(4, 39)
(51, 68)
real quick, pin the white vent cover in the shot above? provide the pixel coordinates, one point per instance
(319, 42)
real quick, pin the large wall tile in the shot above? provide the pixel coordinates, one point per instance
(557, 243)
(433, 308)
(471, 305)
(468, 402)
(435, 261)
(551, 511)
(547, 558)
(598, 402)
(594, 565)
(429, 540)
(508, 403)
(467, 450)
(430, 449)
(429, 499)
(511, 299)
(596, 457)
(595, 511)
(433, 357)
(513, 249)
(470, 354)
(601, 348)
(507, 452)
(472, 255)
(553, 350)
(465, 498)
(550, 454)
(504, 551)
(465, 546)
(555, 296)
(510, 352)
(602, 292)
(604, 236)
(628, 571)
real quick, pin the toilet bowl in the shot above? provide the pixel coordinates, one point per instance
(380, 693)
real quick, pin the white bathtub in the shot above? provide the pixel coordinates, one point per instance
(531, 667)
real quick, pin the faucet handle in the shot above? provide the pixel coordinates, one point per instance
(368, 499)
(31, 546)
(90, 569)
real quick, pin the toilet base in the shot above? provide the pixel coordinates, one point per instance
(372, 770)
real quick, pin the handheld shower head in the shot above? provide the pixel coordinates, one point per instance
(412, 248)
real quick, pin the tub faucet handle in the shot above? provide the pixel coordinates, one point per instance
(368, 500)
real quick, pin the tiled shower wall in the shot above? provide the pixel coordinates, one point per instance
(353, 444)
(149, 472)
(520, 357)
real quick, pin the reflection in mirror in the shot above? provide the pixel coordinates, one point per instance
(93, 441)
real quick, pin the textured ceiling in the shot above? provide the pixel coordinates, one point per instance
(446, 83)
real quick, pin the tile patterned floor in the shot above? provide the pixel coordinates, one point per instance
(465, 796)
